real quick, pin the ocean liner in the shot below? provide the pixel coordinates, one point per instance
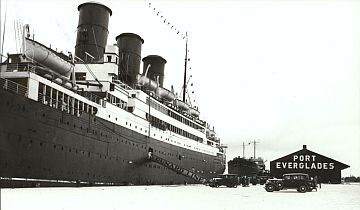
(93, 119)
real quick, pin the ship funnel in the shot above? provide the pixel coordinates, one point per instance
(156, 69)
(92, 31)
(130, 57)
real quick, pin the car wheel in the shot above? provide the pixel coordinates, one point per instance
(235, 186)
(280, 185)
(269, 188)
(302, 188)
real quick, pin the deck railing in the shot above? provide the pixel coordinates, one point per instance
(13, 87)
(12, 67)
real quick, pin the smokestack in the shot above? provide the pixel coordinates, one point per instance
(129, 57)
(92, 31)
(304, 146)
(156, 69)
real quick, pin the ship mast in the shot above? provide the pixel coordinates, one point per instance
(186, 60)
(3, 33)
(243, 147)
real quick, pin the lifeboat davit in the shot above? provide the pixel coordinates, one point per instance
(147, 83)
(182, 105)
(212, 133)
(194, 112)
(47, 57)
(165, 94)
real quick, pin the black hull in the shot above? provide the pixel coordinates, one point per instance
(44, 145)
(243, 167)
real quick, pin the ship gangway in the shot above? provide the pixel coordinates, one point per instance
(176, 168)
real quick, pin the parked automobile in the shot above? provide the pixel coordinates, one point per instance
(228, 180)
(258, 180)
(299, 181)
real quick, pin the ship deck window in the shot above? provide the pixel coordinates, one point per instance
(80, 75)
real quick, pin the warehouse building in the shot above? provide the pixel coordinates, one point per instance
(305, 161)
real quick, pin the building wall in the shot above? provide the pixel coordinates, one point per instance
(305, 161)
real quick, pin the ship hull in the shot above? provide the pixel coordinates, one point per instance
(41, 145)
(243, 167)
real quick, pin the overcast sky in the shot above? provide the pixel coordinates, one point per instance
(281, 72)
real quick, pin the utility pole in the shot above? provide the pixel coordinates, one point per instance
(254, 142)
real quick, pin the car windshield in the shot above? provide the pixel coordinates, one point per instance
(295, 177)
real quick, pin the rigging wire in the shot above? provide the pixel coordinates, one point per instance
(165, 20)
(183, 35)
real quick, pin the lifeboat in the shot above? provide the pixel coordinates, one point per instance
(165, 94)
(48, 57)
(194, 112)
(182, 105)
(147, 83)
(68, 85)
(58, 81)
(48, 76)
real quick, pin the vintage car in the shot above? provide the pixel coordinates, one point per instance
(228, 180)
(299, 181)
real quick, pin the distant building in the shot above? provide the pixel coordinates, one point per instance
(305, 161)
